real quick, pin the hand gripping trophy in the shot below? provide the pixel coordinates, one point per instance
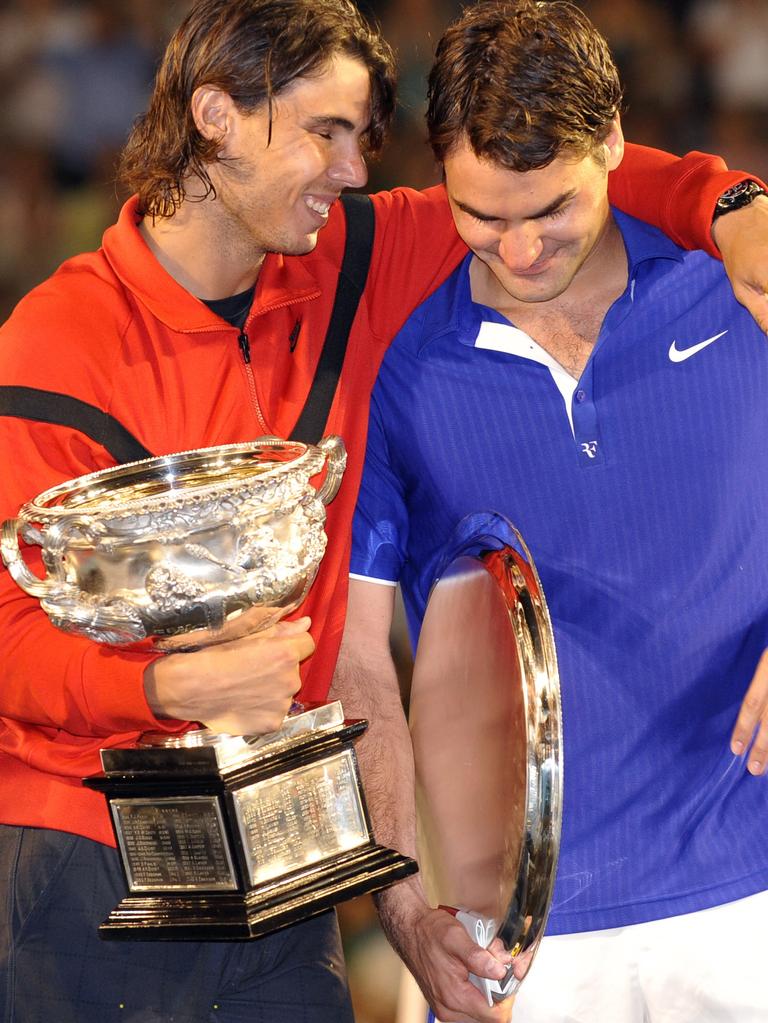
(220, 836)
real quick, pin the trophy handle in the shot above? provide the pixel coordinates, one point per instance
(14, 561)
(333, 448)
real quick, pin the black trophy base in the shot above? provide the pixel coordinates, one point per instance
(232, 916)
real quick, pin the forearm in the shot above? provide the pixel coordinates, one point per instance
(435, 947)
(56, 680)
(676, 194)
(368, 688)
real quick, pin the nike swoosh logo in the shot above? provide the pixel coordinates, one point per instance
(678, 355)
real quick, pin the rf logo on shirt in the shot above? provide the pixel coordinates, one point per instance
(589, 447)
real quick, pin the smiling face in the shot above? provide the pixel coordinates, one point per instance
(273, 194)
(532, 231)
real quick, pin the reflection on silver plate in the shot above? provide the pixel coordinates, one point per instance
(486, 730)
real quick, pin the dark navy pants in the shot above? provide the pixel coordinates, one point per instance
(56, 888)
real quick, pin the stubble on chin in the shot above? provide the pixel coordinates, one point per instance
(294, 247)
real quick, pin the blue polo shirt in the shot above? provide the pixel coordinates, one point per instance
(642, 492)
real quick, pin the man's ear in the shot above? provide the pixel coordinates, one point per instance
(212, 111)
(613, 146)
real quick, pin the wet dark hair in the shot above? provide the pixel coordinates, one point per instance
(521, 82)
(253, 50)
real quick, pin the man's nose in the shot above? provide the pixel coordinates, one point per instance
(350, 170)
(520, 247)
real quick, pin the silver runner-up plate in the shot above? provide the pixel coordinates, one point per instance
(486, 729)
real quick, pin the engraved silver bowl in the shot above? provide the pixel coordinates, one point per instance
(169, 552)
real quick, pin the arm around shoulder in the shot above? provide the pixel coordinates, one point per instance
(416, 247)
(677, 194)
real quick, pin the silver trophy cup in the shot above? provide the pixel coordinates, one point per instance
(167, 551)
(220, 836)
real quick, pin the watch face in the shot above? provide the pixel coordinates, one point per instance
(738, 196)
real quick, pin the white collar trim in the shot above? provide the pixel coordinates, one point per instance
(500, 337)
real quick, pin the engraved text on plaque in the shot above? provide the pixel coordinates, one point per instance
(293, 821)
(172, 843)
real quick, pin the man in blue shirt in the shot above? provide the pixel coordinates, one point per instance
(602, 388)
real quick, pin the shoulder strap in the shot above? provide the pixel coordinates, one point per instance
(62, 410)
(352, 277)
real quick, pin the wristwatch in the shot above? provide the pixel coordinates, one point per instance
(738, 196)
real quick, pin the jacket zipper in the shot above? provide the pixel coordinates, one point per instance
(244, 345)
(245, 351)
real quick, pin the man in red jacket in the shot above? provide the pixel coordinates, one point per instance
(200, 321)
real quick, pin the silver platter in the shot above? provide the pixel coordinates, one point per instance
(486, 729)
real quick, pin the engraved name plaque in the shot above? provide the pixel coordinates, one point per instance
(287, 825)
(172, 844)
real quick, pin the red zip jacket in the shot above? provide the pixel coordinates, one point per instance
(112, 328)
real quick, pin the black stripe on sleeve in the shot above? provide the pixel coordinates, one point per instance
(63, 410)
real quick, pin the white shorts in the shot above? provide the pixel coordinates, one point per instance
(704, 967)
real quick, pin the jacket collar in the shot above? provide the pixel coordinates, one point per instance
(136, 267)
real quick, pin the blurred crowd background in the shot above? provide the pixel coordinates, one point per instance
(74, 74)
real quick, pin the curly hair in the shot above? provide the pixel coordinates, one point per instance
(521, 81)
(251, 49)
